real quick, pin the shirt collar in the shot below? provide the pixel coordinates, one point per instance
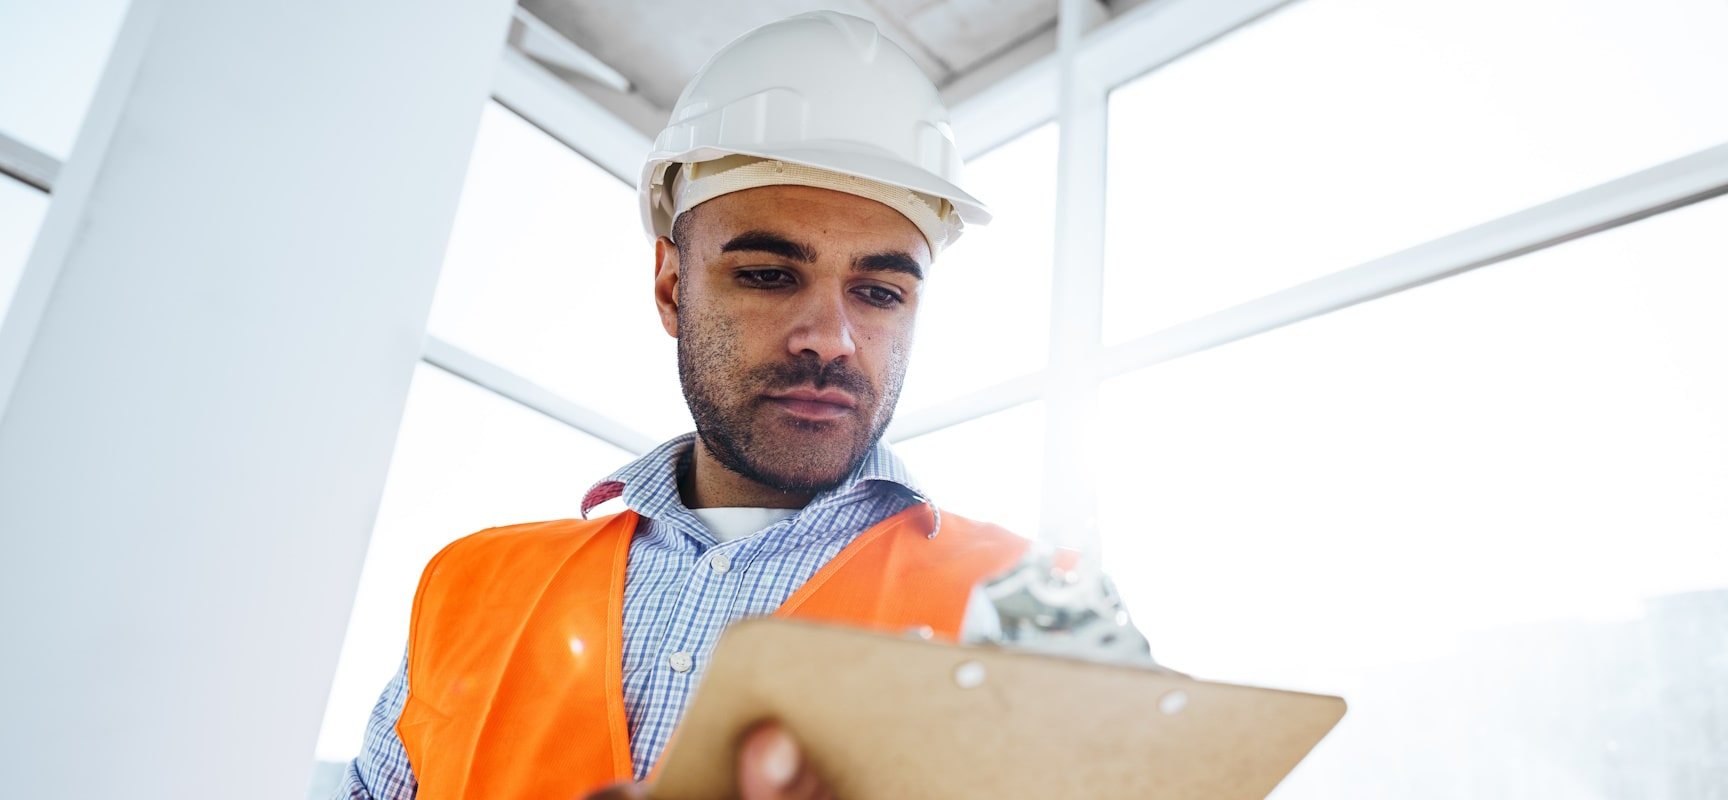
(649, 485)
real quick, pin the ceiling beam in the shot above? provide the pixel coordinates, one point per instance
(573, 117)
(543, 43)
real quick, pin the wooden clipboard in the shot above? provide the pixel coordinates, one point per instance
(886, 718)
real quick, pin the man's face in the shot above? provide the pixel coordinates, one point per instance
(794, 310)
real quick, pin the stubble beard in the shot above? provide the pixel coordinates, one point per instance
(725, 401)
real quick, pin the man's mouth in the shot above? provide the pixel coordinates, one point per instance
(814, 404)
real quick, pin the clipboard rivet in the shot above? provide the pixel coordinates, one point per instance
(1173, 702)
(969, 675)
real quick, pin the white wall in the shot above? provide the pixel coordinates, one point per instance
(207, 363)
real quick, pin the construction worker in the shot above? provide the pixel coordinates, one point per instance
(797, 199)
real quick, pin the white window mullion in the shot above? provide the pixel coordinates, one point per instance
(1076, 301)
(1646, 193)
(29, 165)
(509, 385)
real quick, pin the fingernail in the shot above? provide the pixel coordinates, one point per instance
(780, 760)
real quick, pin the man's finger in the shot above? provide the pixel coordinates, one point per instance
(771, 766)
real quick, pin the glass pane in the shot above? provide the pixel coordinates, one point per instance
(987, 469)
(1337, 131)
(466, 460)
(549, 275)
(1491, 512)
(994, 283)
(21, 211)
(52, 54)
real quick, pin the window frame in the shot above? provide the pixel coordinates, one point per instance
(1071, 86)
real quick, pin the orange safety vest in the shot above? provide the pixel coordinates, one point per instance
(515, 654)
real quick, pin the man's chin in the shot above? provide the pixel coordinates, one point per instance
(799, 458)
(800, 471)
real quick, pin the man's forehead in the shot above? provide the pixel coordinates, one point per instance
(823, 222)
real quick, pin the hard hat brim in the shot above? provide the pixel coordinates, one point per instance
(826, 156)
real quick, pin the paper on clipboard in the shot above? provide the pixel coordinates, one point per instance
(890, 718)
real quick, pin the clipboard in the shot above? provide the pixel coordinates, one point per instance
(888, 718)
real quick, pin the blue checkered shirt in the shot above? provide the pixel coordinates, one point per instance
(671, 606)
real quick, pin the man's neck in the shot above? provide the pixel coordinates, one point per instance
(709, 484)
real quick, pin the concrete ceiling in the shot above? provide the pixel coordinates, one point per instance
(657, 46)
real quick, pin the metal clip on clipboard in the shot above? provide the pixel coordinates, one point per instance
(1048, 603)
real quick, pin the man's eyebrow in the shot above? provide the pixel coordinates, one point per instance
(767, 242)
(889, 262)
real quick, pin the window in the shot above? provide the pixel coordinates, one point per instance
(550, 276)
(1489, 512)
(465, 460)
(1337, 131)
(21, 211)
(52, 55)
(986, 309)
(987, 469)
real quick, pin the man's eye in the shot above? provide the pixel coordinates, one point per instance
(879, 296)
(764, 278)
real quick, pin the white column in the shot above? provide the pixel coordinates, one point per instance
(1077, 296)
(202, 378)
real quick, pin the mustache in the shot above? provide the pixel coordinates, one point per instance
(810, 371)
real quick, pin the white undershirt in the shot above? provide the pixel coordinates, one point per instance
(732, 523)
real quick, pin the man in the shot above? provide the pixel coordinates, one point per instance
(797, 199)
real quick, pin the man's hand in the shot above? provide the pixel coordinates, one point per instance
(771, 766)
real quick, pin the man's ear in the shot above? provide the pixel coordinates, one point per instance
(666, 284)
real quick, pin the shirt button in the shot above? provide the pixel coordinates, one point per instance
(680, 661)
(720, 563)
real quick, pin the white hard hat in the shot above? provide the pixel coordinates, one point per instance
(823, 90)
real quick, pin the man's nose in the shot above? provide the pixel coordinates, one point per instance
(821, 326)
